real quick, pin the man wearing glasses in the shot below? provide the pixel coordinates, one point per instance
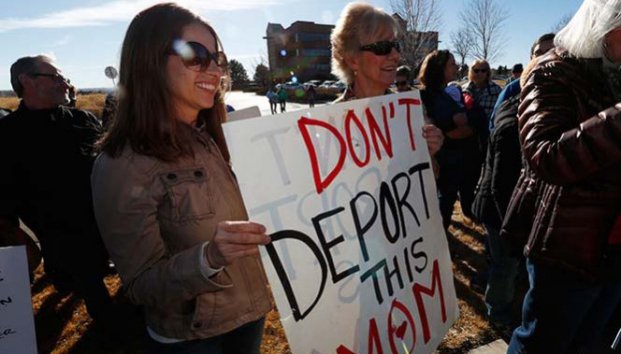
(46, 153)
(402, 79)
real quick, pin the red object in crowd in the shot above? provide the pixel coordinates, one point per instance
(468, 100)
(615, 235)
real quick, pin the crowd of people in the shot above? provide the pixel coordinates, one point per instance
(153, 196)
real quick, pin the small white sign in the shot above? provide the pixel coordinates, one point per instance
(244, 113)
(17, 331)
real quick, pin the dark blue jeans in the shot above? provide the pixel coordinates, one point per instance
(502, 277)
(242, 340)
(562, 313)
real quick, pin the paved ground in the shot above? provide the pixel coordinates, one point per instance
(241, 100)
(496, 347)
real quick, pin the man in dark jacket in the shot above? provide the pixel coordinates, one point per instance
(566, 206)
(500, 174)
(46, 153)
(501, 171)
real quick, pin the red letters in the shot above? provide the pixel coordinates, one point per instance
(418, 290)
(352, 117)
(376, 132)
(407, 102)
(400, 331)
(319, 183)
(374, 341)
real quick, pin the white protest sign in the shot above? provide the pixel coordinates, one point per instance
(359, 261)
(244, 113)
(17, 333)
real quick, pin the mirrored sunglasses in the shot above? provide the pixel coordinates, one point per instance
(196, 57)
(381, 47)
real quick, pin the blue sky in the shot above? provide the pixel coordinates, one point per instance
(85, 35)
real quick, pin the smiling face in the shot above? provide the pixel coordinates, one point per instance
(375, 73)
(193, 90)
(479, 74)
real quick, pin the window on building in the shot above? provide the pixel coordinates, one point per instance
(311, 37)
(316, 52)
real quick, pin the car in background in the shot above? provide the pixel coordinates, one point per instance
(290, 85)
(314, 83)
(339, 85)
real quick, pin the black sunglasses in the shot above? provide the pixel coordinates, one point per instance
(476, 71)
(381, 47)
(55, 77)
(196, 57)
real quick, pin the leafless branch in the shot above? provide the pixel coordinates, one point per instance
(419, 16)
(485, 19)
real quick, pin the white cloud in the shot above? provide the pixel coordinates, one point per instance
(245, 56)
(61, 42)
(119, 11)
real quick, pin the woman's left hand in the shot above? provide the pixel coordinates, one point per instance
(434, 137)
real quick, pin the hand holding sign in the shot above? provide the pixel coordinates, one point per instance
(235, 239)
(434, 137)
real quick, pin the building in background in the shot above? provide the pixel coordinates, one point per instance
(302, 50)
(416, 45)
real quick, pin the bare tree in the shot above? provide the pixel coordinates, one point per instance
(419, 17)
(562, 22)
(484, 19)
(462, 43)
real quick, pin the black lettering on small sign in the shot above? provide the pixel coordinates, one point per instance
(1, 279)
(6, 301)
(6, 332)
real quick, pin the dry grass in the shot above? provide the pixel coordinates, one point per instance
(92, 102)
(9, 102)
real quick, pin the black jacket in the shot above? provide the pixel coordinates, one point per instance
(46, 158)
(502, 166)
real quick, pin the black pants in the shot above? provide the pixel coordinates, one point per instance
(459, 174)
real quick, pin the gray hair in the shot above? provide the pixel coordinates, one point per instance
(26, 65)
(359, 24)
(584, 35)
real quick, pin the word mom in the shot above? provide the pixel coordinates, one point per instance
(396, 334)
(372, 134)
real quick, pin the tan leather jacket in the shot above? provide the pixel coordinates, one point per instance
(154, 217)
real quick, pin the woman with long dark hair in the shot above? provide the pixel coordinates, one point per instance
(167, 204)
(459, 159)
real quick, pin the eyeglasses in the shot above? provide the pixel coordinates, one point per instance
(401, 83)
(55, 77)
(196, 57)
(477, 71)
(381, 47)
